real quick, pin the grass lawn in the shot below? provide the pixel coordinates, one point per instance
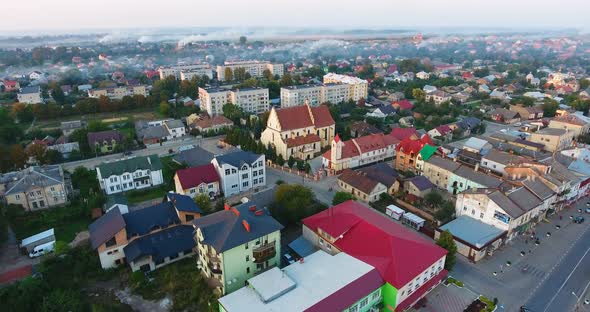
(135, 197)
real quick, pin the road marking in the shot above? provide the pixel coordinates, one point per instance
(567, 279)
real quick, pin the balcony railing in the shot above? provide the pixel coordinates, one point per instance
(264, 252)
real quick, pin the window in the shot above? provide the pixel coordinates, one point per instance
(375, 295)
(189, 217)
(192, 191)
(261, 180)
(363, 303)
(52, 189)
(246, 245)
(247, 258)
(17, 196)
(38, 192)
(353, 308)
(260, 162)
(245, 176)
(260, 172)
(227, 171)
(247, 270)
(245, 184)
(111, 242)
(234, 186)
(481, 215)
(254, 174)
(234, 171)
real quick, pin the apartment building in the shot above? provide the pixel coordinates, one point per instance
(146, 239)
(358, 88)
(35, 188)
(118, 93)
(299, 131)
(236, 244)
(254, 68)
(130, 174)
(409, 264)
(240, 171)
(30, 95)
(315, 94)
(198, 180)
(186, 72)
(251, 100)
(553, 139)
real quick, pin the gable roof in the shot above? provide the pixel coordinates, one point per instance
(105, 227)
(421, 182)
(304, 116)
(238, 158)
(398, 253)
(151, 162)
(444, 163)
(195, 176)
(477, 177)
(161, 244)
(99, 137)
(142, 221)
(182, 202)
(403, 133)
(36, 176)
(427, 151)
(382, 173)
(413, 146)
(193, 157)
(358, 180)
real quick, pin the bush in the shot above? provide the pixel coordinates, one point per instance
(341, 197)
(454, 281)
(490, 305)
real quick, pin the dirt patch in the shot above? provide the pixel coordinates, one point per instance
(142, 305)
(80, 239)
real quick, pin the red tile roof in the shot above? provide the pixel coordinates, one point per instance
(10, 83)
(195, 176)
(364, 144)
(301, 140)
(322, 116)
(303, 116)
(398, 253)
(402, 133)
(404, 104)
(444, 129)
(413, 146)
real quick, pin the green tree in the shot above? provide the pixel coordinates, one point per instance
(58, 95)
(433, 199)
(62, 300)
(292, 203)
(280, 160)
(291, 161)
(549, 107)
(445, 211)
(233, 112)
(300, 165)
(286, 80)
(229, 74)
(447, 242)
(203, 201)
(243, 40)
(267, 74)
(341, 197)
(307, 168)
(164, 109)
(419, 94)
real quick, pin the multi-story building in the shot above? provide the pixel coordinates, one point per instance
(251, 100)
(466, 178)
(197, 180)
(577, 123)
(321, 282)
(235, 244)
(439, 170)
(34, 188)
(554, 139)
(146, 239)
(240, 171)
(186, 72)
(496, 161)
(118, 93)
(438, 97)
(130, 174)
(409, 264)
(30, 95)
(358, 88)
(299, 131)
(359, 151)
(254, 68)
(105, 141)
(315, 94)
(408, 152)
(361, 186)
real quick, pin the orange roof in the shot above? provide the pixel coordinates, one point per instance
(303, 116)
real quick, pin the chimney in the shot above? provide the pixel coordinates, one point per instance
(226, 206)
(246, 225)
(476, 167)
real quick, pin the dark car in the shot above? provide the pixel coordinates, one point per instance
(579, 219)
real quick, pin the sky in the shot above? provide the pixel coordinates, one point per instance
(77, 15)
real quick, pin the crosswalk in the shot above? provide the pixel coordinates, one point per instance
(525, 268)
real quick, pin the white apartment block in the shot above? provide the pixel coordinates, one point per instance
(251, 100)
(240, 171)
(315, 94)
(358, 88)
(118, 92)
(130, 174)
(186, 72)
(254, 68)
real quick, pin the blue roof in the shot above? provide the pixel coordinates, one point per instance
(105, 227)
(142, 221)
(472, 231)
(302, 247)
(224, 230)
(238, 158)
(183, 203)
(162, 244)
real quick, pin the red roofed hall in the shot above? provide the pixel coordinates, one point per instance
(197, 180)
(410, 265)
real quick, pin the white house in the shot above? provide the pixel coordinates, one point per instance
(240, 171)
(130, 174)
(423, 75)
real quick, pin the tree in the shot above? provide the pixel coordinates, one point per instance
(267, 74)
(447, 242)
(292, 203)
(243, 40)
(229, 74)
(280, 160)
(164, 109)
(36, 151)
(549, 107)
(307, 168)
(62, 300)
(286, 80)
(291, 161)
(445, 211)
(203, 201)
(300, 165)
(341, 197)
(58, 94)
(233, 112)
(18, 156)
(419, 94)
(433, 199)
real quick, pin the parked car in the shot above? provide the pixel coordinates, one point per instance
(587, 210)
(42, 249)
(579, 219)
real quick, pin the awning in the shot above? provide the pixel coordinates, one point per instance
(302, 247)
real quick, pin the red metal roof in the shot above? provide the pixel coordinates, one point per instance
(398, 253)
(403, 133)
(413, 146)
(195, 176)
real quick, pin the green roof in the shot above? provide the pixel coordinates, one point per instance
(151, 162)
(427, 151)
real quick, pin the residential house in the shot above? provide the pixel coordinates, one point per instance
(465, 178)
(299, 131)
(429, 89)
(11, 85)
(382, 112)
(409, 264)
(553, 139)
(105, 141)
(496, 160)
(527, 112)
(438, 97)
(402, 105)
(240, 171)
(442, 132)
(321, 282)
(35, 188)
(504, 116)
(407, 152)
(477, 145)
(384, 174)
(418, 186)
(132, 173)
(438, 170)
(193, 157)
(467, 125)
(148, 238)
(198, 180)
(423, 75)
(68, 127)
(215, 124)
(236, 244)
(30, 95)
(359, 151)
(361, 186)
(361, 128)
(579, 125)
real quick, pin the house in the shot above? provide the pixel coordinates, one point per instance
(299, 131)
(474, 238)
(442, 132)
(438, 170)
(404, 133)
(361, 186)
(236, 244)
(359, 151)
(193, 157)
(553, 139)
(500, 95)
(423, 75)
(509, 211)
(384, 174)
(409, 264)
(148, 238)
(578, 124)
(361, 128)
(429, 89)
(461, 97)
(527, 112)
(35, 188)
(117, 201)
(240, 171)
(215, 124)
(197, 180)
(504, 116)
(438, 97)
(497, 160)
(407, 152)
(477, 145)
(105, 141)
(30, 95)
(407, 121)
(68, 127)
(132, 173)
(403, 105)
(36, 75)
(468, 125)
(418, 186)
(11, 85)
(465, 178)
(321, 282)
(382, 112)
(149, 135)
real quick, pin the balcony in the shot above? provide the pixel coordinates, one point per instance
(214, 267)
(264, 252)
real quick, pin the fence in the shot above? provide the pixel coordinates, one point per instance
(315, 177)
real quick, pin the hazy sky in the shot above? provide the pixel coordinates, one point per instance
(85, 14)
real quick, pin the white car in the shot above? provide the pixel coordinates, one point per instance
(42, 249)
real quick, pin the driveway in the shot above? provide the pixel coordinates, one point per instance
(448, 299)
(13, 264)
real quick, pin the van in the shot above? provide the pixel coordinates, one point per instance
(42, 249)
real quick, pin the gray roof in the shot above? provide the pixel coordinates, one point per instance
(162, 244)
(154, 132)
(105, 227)
(175, 123)
(503, 157)
(551, 131)
(381, 173)
(37, 176)
(444, 163)
(28, 90)
(538, 188)
(151, 162)
(421, 182)
(524, 199)
(194, 157)
(478, 177)
(238, 158)
(224, 230)
(116, 199)
(472, 231)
